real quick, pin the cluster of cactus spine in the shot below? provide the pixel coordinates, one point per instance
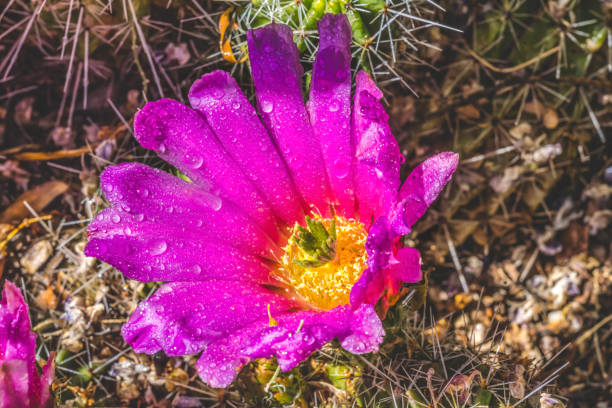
(418, 366)
(378, 26)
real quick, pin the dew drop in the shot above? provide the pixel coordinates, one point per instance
(161, 148)
(341, 168)
(196, 269)
(159, 247)
(267, 106)
(116, 218)
(195, 162)
(214, 202)
(334, 106)
(144, 193)
(139, 217)
(236, 105)
(218, 93)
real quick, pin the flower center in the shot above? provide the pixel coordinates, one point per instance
(323, 261)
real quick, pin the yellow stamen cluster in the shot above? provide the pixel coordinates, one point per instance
(329, 285)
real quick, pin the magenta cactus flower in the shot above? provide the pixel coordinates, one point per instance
(288, 234)
(21, 385)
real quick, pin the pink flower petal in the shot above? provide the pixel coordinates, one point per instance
(277, 75)
(20, 383)
(404, 267)
(183, 317)
(379, 246)
(165, 208)
(296, 336)
(376, 151)
(182, 137)
(420, 190)
(235, 122)
(329, 107)
(17, 340)
(154, 251)
(299, 334)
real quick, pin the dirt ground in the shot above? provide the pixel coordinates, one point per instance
(517, 250)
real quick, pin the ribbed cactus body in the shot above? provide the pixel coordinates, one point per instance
(378, 26)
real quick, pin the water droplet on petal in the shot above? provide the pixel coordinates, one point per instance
(116, 218)
(143, 192)
(334, 106)
(158, 247)
(218, 93)
(214, 202)
(161, 148)
(196, 269)
(267, 106)
(341, 168)
(139, 217)
(236, 105)
(194, 161)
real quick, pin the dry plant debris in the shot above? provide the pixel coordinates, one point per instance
(519, 250)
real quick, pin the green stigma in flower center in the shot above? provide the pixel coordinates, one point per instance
(323, 260)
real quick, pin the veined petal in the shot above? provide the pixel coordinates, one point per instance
(181, 136)
(20, 382)
(420, 189)
(17, 340)
(292, 340)
(388, 265)
(143, 195)
(15, 384)
(155, 251)
(404, 267)
(299, 334)
(377, 154)
(229, 113)
(379, 246)
(277, 75)
(221, 361)
(183, 317)
(329, 107)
